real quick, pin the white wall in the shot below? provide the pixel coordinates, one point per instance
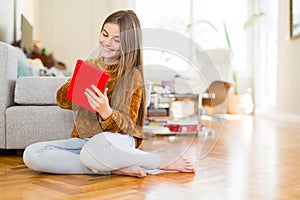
(7, 18)
(6, 21)
(26, 8)
(288, 65)
(70, 28)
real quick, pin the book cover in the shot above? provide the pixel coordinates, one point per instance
(83, 77)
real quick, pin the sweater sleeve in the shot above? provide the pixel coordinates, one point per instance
(61, 97)
(126, 122)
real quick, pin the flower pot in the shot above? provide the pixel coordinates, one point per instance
(240, 104)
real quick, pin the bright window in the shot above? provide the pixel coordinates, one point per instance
(186, 17)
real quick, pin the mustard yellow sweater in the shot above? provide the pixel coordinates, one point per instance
(88, 124)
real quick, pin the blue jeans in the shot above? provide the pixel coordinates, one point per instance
(97, 155)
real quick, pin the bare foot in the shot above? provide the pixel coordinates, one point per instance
(182, 164)
(130, 171)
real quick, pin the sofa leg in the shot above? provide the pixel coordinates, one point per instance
(15, 152)
(19, 152)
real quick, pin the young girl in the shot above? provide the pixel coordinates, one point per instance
(107, 142)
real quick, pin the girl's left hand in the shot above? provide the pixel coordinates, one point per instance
(99, 103)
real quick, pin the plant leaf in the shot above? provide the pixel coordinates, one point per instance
(227, 38)
(251, 20)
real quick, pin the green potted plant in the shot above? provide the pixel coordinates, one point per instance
(241, 103)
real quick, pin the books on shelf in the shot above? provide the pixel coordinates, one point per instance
(170, 126)
(182, 129)
(171, 129)
(164, 126)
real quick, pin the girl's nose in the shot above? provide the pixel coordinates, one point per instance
(108, 42)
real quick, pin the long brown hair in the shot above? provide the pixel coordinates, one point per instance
(131, 58)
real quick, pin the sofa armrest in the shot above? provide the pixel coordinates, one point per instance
(32, 90)
(8, 76)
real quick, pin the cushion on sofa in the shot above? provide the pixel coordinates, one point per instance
(38, 90)
(29, 124)
(23, 64)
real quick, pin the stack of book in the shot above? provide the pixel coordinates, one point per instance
(167, 126)
(182, 129)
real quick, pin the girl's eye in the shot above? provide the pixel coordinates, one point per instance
(117, 40)
(104, 33)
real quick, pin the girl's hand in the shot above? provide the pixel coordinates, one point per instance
(99, 103)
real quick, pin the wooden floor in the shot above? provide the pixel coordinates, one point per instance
(254, 158)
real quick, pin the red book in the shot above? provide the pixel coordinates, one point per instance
(177, 128)
(83, 77)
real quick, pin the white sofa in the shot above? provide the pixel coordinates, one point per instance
(28, 108)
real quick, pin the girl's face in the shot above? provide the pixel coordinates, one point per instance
(109, 41)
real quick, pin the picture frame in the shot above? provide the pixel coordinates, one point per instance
(294, 19)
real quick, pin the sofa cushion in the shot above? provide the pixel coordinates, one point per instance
(29, 124)
(23, 63)
(38, 90)
(23, 68)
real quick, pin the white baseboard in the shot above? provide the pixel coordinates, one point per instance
(280, 116)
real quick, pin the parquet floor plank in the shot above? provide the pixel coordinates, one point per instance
(255, 158)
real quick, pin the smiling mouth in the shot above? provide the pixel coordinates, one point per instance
(106, 49)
